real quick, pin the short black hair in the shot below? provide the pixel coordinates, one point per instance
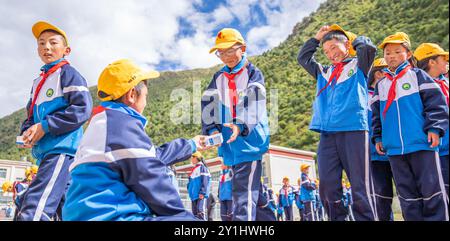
(55, 32)
(335, 34)
(423, 64)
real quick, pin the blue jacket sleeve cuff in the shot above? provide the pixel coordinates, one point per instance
(193, 146)
(212, 131)
(44, 124)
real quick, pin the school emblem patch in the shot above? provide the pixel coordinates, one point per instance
(350, 73)
(406, 86)
(49, 92)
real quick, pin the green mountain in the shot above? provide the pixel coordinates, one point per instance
(423, 20)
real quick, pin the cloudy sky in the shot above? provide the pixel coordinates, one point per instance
(164, 35)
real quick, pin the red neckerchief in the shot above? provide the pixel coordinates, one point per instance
(193, 169)
(232, 87)
(44, 76)
(444, 87)
(222, 178)
(337, 71)
(392, 90)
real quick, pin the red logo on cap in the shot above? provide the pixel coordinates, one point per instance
(220, 35)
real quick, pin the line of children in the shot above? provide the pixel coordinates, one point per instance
(225, 197)
(340, 116)
(286, 199)
(381, 169)
(118, 173)
(410, 114)
(347, 199)
(59, 105)
(307, 195)
(434, 60)
(199, 186)
(298, 201)
(234, 104)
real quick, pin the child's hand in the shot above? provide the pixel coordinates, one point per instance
(235, 130)
(33, 134)
(433, 138)
(322, 32)
(379, 148)
(200, 143)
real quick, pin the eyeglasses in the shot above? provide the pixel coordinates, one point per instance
(227, 52)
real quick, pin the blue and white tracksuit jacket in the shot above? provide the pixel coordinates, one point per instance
(342, 106)
(119, 174)
(419, 107)
(307, 189)
(286, 200)
(250, 113)
(63, 105)
(225, 185)
(199, 182)
(347, 197)
(374, 156)
(443, 146)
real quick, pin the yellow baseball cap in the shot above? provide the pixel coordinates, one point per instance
(351, 37)
(197, 154)
(226, 38)
(119, 77)
(286, 178)
(6, 185)
(379, 63)
(427, 50)
(397, 38)
(41, 26)
(304, 166)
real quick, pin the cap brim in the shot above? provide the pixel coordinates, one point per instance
(223, 46)
(381, 46)
(41, 26)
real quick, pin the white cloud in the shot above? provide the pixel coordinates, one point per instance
(102, 31)
(280, 22)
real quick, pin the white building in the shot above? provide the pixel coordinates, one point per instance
(277, 163)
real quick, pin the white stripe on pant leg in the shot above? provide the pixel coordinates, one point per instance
(249, 191)
(366, 176)
(374, 198)
(49, 188)
(441, 183)
(312, 211)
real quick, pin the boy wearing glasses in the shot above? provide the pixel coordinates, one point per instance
(234, 104)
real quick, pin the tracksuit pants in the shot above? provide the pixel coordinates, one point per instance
(247, 191)
(45, 193)
(199, 208)
(444, 167)
(420, 186)
(309, 211)
(347, 151)
(383, 189)
(288, 213)
(226, 210)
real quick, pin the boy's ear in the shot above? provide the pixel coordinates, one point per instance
(67, 51)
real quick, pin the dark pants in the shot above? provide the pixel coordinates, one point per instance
(199, 208)
(44, 196)
(347, 151)
(247, 191)
(226, 210)
(383, 187)
(309, 211)
(420, 186)
(444, 167)
(288, 213)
